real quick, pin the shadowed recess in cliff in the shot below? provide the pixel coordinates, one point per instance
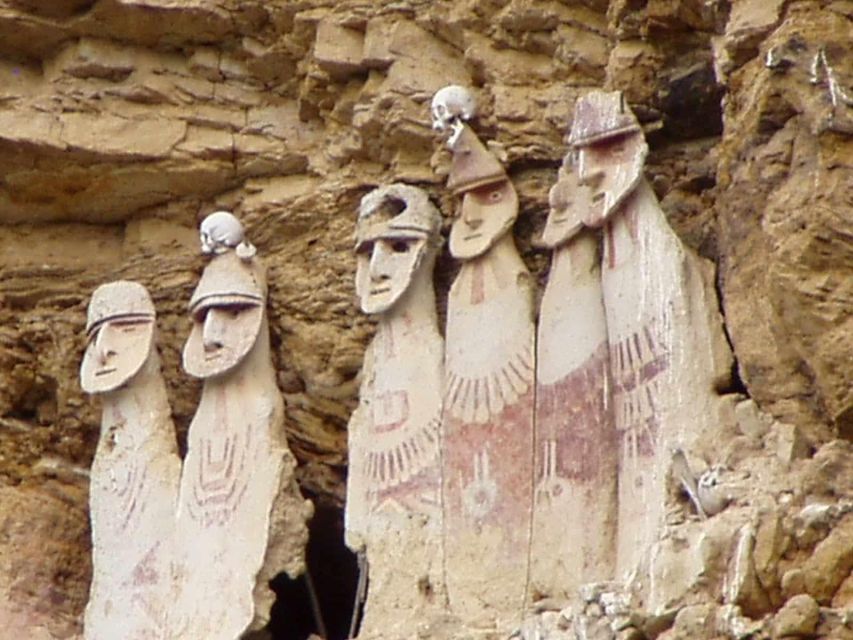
(692, 104)
(333, 578)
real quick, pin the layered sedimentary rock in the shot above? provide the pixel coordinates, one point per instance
(288, 114)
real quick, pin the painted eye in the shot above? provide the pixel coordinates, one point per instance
(494, 196)
(400, 246)
(364, 248)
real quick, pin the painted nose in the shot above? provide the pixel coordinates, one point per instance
(379, 267)
(471, 214)
(213, 333)
(555, 199)
(103, 346)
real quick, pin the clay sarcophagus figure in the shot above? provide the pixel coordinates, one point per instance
(574, 518)
(667, 350)
(240, 517)
(182, 553)
(136, 470)
(393, 509)
(487, 424)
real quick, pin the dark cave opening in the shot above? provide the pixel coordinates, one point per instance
(332, 575)
(292, 616)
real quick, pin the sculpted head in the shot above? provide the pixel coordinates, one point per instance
(569, 203)
(120, 328)
(489, 201)
(486, 215)
(611, 151)
(397, 235)
(227, 311)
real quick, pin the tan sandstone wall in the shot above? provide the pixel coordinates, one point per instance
(123, 122)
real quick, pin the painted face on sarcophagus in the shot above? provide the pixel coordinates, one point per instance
(489, 201)
(569, 203)
(611, 151)
(120, 328)
(485, 216)
(397, 231)
(227, 311)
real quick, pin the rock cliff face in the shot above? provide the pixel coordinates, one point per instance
(123, 122)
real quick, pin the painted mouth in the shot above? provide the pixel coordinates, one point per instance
(379, 290)
(598, 197)
(103, 372)
(558, 220)
(211, 356)
(471, 236)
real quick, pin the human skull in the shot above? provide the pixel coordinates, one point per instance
(219, 232)
(450, 105)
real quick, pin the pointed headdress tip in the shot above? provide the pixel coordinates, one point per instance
(119, 299)
(473, 166)
(600, 115)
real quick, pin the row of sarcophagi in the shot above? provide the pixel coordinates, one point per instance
(503, 462)
(186, 548)
(534, 446)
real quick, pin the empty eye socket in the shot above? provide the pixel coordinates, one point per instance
(400, 246)
(364, 248)
(235, 310)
